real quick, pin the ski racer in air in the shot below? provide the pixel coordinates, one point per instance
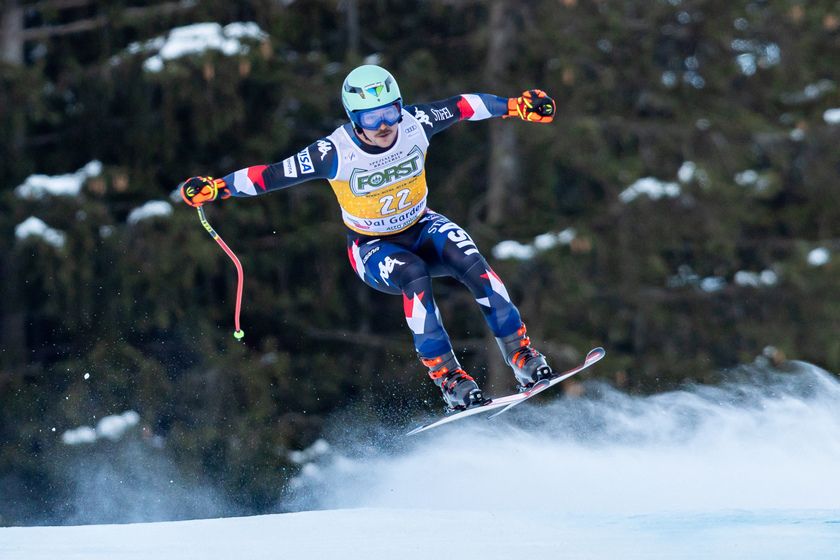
(376, 167)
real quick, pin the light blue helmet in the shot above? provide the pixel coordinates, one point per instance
(369, 87)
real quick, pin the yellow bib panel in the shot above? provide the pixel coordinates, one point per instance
(382, 193)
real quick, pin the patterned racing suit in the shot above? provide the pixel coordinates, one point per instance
(394, 242)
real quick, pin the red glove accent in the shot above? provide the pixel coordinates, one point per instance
(198, 190)
(534, 105)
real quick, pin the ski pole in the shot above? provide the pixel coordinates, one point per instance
(238, 334)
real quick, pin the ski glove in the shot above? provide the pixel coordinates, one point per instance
(534, 105)
(198, 190)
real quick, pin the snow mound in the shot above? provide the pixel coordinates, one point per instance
(832, 116)
(819, 257)
(34, 227)
(515, 250)
(111, 427)
(36, 187)
(152, 209)
(653, 188)
(197, 39)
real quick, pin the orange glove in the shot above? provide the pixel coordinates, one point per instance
(198, 190)
(534, 105)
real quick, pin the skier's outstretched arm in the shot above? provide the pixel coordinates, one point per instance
(317, 161)
(533, 105)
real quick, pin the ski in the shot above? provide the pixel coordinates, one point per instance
(593, 356)
(507, 402)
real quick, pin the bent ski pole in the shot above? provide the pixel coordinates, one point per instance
(238, 334)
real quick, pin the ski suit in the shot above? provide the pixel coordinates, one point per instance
(394, 242)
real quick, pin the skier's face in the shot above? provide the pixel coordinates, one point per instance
(383, 137)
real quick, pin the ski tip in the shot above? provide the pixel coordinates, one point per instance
(595, 354)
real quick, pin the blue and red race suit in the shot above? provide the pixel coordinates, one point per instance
(394, 242)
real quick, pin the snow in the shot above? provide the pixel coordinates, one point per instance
(752, 178)
(111, 427)
(152, 209)
(832, 116)
(409, 534)
(748, 177)
(712, 284)
(707, 448)
(197, 39)
(809, 92)
(650, 186)
(523, 252)
(687, 277)
(513, 250)
(819, 257)
(797, 134)
(34, 227)
(747, 64)
(686, 171)
(755, 55)
(739, 471)
(318, 449)
(37, 187)
(376, 59)
(756, 279)
(85, 434)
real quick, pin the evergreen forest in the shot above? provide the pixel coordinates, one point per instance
(682, 211)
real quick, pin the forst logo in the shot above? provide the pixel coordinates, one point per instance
(389, 175)
(363, 182)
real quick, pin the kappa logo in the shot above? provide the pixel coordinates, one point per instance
(324, 147)
(289, 168)
(422, 117)
(386, 267)
(441, 114)
(305, 162)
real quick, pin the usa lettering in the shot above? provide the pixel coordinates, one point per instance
(305, 162)
(460, 237)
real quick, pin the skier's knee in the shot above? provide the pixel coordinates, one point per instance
(413, 272)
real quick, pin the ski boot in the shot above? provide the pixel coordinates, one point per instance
(460, 391)
(528, 365)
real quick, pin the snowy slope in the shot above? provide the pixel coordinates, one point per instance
(746, 470)
(420, 534)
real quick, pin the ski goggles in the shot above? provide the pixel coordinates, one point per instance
(372, 119)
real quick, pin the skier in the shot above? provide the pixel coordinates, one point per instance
(375, 165)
